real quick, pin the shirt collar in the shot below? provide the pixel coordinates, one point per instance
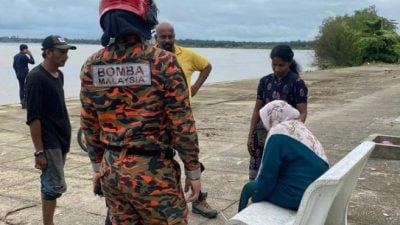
(177, 49)
(284, 78)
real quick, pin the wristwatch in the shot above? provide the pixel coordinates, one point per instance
(38, 153)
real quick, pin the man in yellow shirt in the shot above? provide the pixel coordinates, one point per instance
(190, 62)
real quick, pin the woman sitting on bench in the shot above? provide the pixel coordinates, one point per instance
(293, 158)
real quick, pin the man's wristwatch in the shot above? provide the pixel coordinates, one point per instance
(38, 153)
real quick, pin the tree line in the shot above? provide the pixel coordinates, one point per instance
(242, 44)
(184, 42)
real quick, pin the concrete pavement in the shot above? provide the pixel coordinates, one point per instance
(222, 113)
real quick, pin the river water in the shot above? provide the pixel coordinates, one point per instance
(228, 65)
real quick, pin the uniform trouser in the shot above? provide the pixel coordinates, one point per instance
(143, 190)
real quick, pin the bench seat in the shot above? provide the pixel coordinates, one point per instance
(324, 202)
(263, 213)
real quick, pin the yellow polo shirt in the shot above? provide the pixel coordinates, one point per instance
(190, 62)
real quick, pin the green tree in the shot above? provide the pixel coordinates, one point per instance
(378, 43)
(356, 39)
(335, 44)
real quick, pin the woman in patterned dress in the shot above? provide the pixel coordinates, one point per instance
(283, 84)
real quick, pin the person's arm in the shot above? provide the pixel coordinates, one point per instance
(28, 58)
(89, 119)
(255, 117)
(302, 107)
(31, 60)
(36, 134)
(181, 125)
(201, 79)
(269, 170)
(301, 97)
(15, 64)
(90, 125)
(34, 111)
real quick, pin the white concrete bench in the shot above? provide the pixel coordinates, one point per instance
(324, 202)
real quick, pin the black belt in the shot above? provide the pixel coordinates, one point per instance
(168, 153)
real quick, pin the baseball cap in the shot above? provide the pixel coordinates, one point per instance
(56, 41)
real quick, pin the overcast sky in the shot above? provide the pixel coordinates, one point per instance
(236, 20)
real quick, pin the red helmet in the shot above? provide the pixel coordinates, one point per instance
(146, 9)
(134, 6)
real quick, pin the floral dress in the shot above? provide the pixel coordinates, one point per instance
(291, 89)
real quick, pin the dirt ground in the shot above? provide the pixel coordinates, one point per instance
(332, 88)
(328, 90)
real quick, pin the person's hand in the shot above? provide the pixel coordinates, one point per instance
(41, 162)
(96, 184)
(28, 52)
(250, 144)
(195, 186)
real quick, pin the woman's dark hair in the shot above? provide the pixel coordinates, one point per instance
(286, 54)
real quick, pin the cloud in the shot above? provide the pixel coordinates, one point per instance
(237, 20)
(260, 20)
(39, 18)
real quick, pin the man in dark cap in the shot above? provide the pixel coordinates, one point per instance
(135, 111)
(48, 120)
(20, 66)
